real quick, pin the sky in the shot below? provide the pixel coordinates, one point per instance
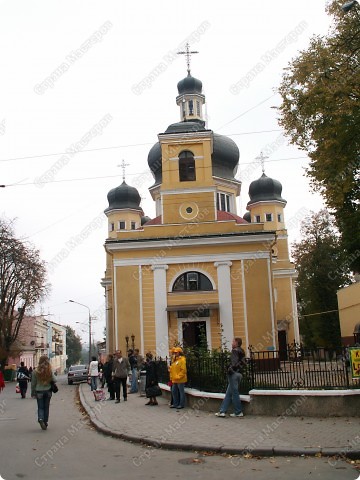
(86, 85)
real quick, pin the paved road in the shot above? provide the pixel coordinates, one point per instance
(71, 448)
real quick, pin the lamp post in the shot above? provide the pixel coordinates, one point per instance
(73, 301)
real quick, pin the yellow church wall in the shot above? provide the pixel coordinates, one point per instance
(127, 305)
(266, 207)
(181, 230)
(283, 305)
(258, 303)
(126, 216)
(201, 149)
(349, 310)
(202, 204)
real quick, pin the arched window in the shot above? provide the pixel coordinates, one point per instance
(186, 167)
(192, 281)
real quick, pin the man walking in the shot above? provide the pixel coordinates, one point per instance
(121, 369)
(234, 378)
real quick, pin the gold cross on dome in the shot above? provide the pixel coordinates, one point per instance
(188, 54)
(123, 165)
(262, 161)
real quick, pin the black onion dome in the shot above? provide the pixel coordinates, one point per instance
(189, 84)
(225, 157)
(247, 217)
(154, 162)
(265, 189)
(145, 219)
(186, 127)
(123, 196)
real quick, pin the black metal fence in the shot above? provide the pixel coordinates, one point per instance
(295, 368)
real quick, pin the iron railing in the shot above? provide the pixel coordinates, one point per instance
(292, 368)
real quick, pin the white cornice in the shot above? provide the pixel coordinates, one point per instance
(221, 258)
(286, 272)
(185, 137)
(188, 191)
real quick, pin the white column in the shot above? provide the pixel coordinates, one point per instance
(160, 300)
(295, 312)
(225, 302)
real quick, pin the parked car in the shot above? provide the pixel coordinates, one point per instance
(77, 373)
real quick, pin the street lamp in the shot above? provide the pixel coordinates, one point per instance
(73, 301)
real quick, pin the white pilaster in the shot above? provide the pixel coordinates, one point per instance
(160, 300)
(225, 301)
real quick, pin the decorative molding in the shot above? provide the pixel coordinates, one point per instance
(188, 259)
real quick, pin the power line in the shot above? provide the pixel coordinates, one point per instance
(132, 174)
(117, 147)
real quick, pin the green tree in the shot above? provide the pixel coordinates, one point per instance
(320, 112)
(73, 347)
(22, 285)
(323, 268)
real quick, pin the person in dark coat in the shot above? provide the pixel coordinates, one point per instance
(107, 375)
(23, 379)
(151, 378)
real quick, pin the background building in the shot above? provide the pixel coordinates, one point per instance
(349, 313)
(39, 336)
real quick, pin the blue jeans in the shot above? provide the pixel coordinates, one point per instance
(43, 403)
(134, 381)
(178, 394)
(94, 383)
(232, 394)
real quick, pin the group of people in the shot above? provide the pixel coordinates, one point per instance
(115, 372)
(117, 369)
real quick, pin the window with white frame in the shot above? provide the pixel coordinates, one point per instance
(269, 217)
(111, 227)
(279, 217)
(122, 225)
(223, 202)
(257, 219)
(133, 225)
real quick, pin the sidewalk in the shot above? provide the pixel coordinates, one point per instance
(194, 429)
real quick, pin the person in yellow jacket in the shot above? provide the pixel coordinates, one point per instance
(178, 376)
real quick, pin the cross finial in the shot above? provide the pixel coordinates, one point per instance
(262, 161)
(123, 165)
(188, 54)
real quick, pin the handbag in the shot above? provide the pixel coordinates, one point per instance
(54, 387)
(153, 391)
(17, 388)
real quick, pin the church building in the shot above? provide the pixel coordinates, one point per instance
(198, 271)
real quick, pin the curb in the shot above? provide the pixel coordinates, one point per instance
(274, 451)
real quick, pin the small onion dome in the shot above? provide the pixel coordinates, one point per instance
(265, 189)
(189, 84)
(122, 197)
(145, 219)
(247, 217)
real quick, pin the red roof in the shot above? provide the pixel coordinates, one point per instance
(223, 216)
